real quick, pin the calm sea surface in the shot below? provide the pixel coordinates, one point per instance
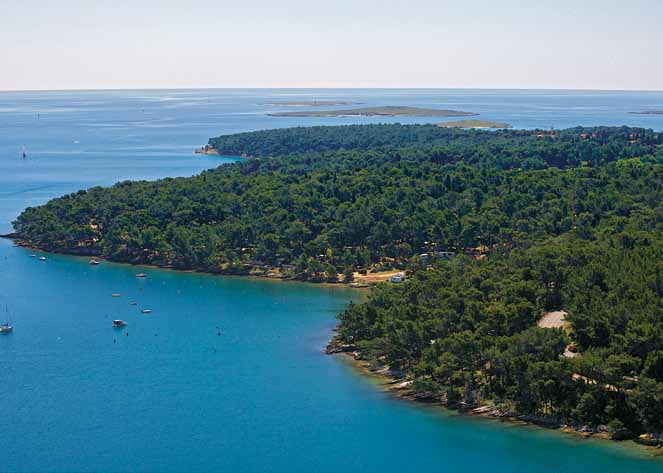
(226, 374)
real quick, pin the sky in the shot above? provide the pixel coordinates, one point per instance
(121, 44)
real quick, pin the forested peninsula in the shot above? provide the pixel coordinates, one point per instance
(527, 221)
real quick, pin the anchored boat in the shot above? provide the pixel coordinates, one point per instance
(6, 327)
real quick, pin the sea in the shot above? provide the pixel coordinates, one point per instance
(226, 374)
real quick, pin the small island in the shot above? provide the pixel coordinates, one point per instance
(648, 112)
(311, 103)
(474, 124)
(387, 111)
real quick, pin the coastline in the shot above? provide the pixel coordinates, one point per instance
(270, 274)
(211, 151)
(475, 125)
(397, 385)
(381, 111)
(394, 383)
(207, 151)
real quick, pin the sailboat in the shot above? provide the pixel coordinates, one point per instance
(6, 328)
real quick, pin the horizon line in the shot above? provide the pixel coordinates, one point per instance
(524, 89)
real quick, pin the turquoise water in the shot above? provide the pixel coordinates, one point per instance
(226, 374)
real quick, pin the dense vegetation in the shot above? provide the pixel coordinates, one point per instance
(570, 219)
(515, 148)
(466, 331)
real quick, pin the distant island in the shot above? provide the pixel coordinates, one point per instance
(387, 111)
(311, 103)
(474, 124)
(648, 112)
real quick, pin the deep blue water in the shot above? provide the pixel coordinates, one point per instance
(172, 392)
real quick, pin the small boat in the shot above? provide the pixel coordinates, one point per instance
(6, 327)
(42, 258)
(359, 284)
(116, 295)
(33, 256)
(117, 323)
(94, 262)
(141, 275)
(146, 311)
(133, 303)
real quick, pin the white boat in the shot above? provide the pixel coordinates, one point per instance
(117, 323)
(94, 262)
(42, 258)
(6, 327)
(146, 311)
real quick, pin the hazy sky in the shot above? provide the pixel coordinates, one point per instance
(69, 44)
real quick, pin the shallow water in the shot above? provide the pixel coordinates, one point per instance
(226, 374)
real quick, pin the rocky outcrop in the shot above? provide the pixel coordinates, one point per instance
(336, 345)
(652, 440)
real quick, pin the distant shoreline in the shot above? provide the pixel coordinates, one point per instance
(387, 111)
(311, 103)
(475, 124)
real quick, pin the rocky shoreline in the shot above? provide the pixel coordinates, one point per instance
(398, 384)
(207, 149)
(212, 151)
